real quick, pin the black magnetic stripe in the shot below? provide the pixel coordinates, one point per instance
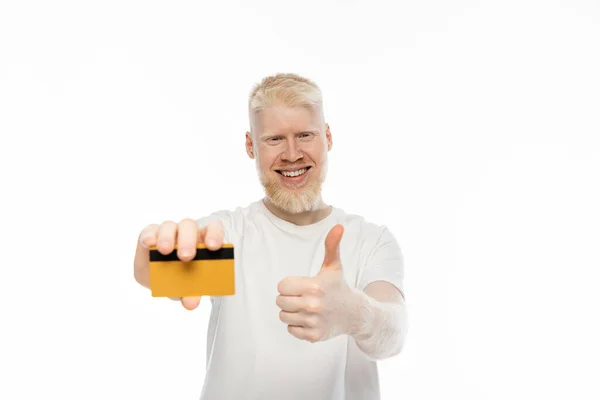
(201, 254)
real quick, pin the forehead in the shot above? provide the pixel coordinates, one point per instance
(281, 120)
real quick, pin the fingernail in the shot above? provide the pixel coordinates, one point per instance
(211, 242)
(144, 240)
(186, 252)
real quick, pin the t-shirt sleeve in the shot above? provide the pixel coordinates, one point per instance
(385, 263)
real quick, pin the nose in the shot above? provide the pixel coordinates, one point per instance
(292, 153)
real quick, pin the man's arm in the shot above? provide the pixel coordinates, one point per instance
(381, 320)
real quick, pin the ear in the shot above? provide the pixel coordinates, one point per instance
(249, 148)
(328, 136)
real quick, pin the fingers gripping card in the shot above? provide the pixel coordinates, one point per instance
(210, 273)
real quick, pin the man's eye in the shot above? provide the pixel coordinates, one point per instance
(274, 139)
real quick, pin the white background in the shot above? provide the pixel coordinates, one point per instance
(470, 128)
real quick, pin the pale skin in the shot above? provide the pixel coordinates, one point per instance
(279, 137)
(309, 304)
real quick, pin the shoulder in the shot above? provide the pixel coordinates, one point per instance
(375, 249)
(233, 219)
(371, 239)
(360, 227)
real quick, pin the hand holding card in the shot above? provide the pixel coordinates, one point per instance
(184, 261)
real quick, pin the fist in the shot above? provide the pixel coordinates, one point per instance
(315, 308)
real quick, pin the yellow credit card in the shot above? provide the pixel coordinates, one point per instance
(210, 273)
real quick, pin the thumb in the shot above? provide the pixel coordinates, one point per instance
(332, 246)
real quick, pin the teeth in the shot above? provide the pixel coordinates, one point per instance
(293, 173)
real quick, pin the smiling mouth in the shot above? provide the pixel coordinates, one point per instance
(293, 173)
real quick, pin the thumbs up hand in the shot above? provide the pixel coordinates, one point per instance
(320, 307)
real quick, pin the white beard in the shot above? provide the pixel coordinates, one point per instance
(290, 200)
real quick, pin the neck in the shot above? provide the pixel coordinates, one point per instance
(319, 211)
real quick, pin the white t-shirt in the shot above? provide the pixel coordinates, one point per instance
(250, 353)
